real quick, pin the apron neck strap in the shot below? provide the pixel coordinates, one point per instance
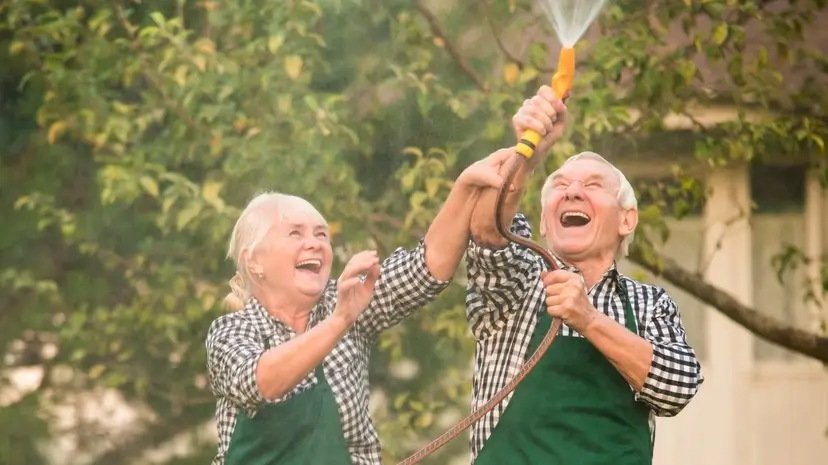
(629, 314)
(319, 371)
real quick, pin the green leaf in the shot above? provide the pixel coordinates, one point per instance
(417, 200)
(432, 185)
(274, 43)
(158, 18)
(16, 47)
(720, 33)
(210, 191)
(293, 66)
(186, 215)
(96, 371)
(149, 185)
(687, 69)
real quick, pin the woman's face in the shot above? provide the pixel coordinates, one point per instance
(295, 256)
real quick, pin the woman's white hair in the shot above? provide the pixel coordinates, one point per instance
(626, 193)
(259, 216)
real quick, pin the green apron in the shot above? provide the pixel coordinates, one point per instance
(573, 408)
(303, 430)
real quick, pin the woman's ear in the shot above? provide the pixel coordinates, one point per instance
(250, 260)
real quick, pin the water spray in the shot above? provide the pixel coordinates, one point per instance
(570, 19)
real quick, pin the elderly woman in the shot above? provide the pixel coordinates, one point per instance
(290, 367)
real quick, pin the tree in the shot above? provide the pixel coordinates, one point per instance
(133, 133)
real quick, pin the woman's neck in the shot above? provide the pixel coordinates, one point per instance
(288, 311)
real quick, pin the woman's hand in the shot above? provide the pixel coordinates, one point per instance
(488, 172)
(355, 286)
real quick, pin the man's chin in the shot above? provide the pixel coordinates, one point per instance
(571, 250)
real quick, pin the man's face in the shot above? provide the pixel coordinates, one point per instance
(582, 217)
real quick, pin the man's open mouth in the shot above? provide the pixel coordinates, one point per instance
(574, 219)
(310, 265)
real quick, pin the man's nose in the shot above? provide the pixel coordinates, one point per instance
(574, 191)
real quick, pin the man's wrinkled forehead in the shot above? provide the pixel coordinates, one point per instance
(585, 170)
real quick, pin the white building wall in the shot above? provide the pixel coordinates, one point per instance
(759, 405)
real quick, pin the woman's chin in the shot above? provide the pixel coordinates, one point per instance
(311, 290)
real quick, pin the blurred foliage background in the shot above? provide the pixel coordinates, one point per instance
(133, 132)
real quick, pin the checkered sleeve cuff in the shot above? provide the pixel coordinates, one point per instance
(487, 259)
(233, 352)
(405, 285)
(419, 273)
(675, 373)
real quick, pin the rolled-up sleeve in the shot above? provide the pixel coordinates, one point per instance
(498, 279)
(675, 373)
(404, 285)
(233, 352)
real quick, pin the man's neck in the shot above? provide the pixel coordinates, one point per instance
(593, 270)
(288, 312)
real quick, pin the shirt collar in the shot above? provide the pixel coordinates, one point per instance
(611, 274)
(268, 325)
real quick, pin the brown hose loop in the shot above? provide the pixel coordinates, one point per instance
(504, 228)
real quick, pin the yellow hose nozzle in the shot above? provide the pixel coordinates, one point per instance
(565, 74)
(561, 84)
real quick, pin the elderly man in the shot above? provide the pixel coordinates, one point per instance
(620, 358)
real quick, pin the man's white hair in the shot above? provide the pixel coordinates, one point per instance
(259, 216)
(626, 193)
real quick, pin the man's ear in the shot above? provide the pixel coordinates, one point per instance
(542, 225)
(629, 221)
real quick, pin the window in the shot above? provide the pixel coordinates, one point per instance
(778, 224)
(776, 189)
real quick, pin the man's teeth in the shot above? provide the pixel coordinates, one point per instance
(578, 214)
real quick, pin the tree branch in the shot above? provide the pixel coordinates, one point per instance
(770, 329)
(509, 55)
(438, 31)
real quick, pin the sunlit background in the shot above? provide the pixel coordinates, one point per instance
(132, 132)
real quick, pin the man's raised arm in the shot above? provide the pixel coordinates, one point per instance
(546, 114)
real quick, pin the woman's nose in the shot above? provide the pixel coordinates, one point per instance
(313, 242)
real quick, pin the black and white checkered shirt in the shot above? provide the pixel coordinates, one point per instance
(236, 341)
(504, 299)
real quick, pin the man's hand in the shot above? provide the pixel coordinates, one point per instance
(566, 298)
(544, 113)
